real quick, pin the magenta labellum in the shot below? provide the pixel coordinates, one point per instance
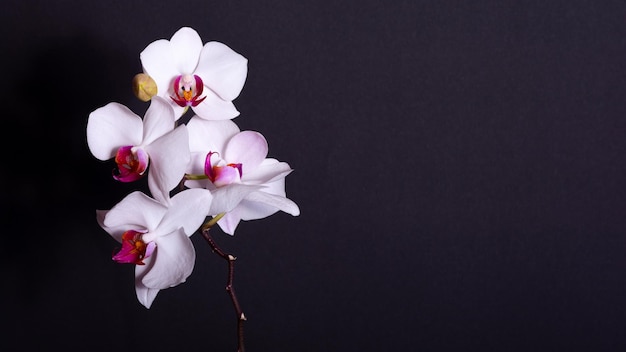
(131, 163)
(134, 250)
(222, 175)
(188, 90)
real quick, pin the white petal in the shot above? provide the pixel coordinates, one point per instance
(158, 120)
(222, 69)
(115, 231)
(271, 200)
(178, 111)
(111, 127)
(248, 210)
(257, 205)
(158, 62)
(228, 197)
(265, 202)
(276, 187)
(172, 261)
(270, 170)
(210, 136)
(186, 46)
(136, 211)
(214, 108)
(188, 209)
(145, 295)
(228, 223)
(196, 164)
(100, 215)
(248, 148)
(169, 157)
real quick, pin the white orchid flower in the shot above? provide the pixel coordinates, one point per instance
(155, 237)
(206, 78)
(233, 166)
(115, 131)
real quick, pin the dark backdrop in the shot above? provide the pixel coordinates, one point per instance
(460, 168)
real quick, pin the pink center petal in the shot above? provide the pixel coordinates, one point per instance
(131, 164)
(134, 250)
(225, 175)
(187, 90)
(221, 175)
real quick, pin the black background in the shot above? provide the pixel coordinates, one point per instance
(459, 167)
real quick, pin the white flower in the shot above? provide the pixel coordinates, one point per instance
(115, 131)
(155, 236)
(206, 77)
(245, 184)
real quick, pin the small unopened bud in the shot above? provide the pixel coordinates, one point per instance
(144, 87)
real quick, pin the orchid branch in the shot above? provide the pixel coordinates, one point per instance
(164, 153)
(231, 273)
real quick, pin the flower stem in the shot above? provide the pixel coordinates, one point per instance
(195, 177)
(231, 273)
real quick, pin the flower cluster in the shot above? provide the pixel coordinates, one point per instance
(204, 168)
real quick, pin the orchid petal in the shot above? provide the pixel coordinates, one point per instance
(248, 148)
(136, 211)
(223, 70)
(145, 295)
(248, 210)
(111, 127)
(158, 61)
(173, 261)
(178, 110)
(269, 200)
(214, 108)
(115, 231)
(188, 209)
(226, 198)
(100, 215)
(224, 175)
(257, 205)
(186, 46)
(158, 120)
(210, 136)
(276, 187)
(169, 156)
(263, 203)
(228, 223)
(196, 162)
(132, 163)
(268, 171)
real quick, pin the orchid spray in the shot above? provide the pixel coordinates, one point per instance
(201, 173)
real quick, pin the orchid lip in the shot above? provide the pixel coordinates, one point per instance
(188, 90)
(134, 250)
(132, 163)
(223, 174)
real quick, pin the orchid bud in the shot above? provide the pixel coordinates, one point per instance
(144, 87)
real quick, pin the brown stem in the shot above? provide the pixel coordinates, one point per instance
(229, 284)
